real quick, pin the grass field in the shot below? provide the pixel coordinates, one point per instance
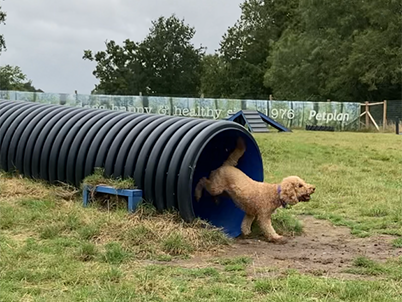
(52, 249)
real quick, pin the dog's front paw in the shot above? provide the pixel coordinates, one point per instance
(279, 240)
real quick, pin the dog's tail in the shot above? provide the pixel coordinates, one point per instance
(236, 154)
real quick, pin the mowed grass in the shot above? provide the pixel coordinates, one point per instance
(358, 176)
(53, 249)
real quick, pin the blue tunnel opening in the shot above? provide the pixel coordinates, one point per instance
(225, 214)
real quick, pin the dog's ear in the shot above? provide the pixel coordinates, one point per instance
(288, 191)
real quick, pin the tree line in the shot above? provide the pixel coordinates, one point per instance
(294, 50)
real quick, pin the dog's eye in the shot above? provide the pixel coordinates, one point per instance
(300, 185)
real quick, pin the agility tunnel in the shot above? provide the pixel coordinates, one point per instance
(165, 155)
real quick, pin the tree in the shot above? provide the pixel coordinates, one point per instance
(118, 69)
(164, 63)
(344, 51)
(172, 63)
(246, 45)
(376, 53)
(12, 78)
(305, 59)
(2, 20)
(213, 76)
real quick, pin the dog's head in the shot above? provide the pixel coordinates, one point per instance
(294, 189)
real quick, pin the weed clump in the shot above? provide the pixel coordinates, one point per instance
(99, 178)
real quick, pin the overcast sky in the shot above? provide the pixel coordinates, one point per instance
(46, 38)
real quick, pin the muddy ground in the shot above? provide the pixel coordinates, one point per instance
(323, 249)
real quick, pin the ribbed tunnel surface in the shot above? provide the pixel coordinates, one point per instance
(165, 155)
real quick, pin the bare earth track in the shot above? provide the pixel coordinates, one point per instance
(323, 249)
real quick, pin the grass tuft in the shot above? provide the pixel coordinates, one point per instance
(365, 266)
(286, 223)
(241, 260)
(114, 253)
(113, 275)
(87, 252)
(266, 286)
(175, 245)
(397, 243)
(364, 262)
(49, 231)
(98, 178)
(376, 211)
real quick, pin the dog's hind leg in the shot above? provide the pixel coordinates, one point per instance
(246, 224)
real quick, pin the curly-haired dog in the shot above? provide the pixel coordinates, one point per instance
(258, 200)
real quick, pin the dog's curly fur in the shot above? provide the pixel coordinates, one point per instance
(258, 200)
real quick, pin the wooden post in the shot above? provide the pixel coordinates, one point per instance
(372, 119)
(367, 116)
(384, 115)
(270, 97)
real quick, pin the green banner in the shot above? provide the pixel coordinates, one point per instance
(292, 114)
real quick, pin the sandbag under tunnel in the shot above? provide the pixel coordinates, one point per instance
(165, 155)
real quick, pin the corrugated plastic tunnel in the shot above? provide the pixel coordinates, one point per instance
(165, 155)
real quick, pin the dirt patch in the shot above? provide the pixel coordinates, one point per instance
(323, 249)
